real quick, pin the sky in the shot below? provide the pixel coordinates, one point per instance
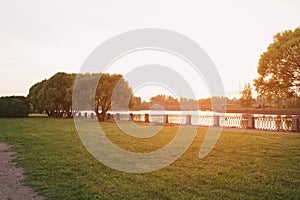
(39, 38)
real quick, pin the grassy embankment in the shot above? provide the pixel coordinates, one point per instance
(242, 165)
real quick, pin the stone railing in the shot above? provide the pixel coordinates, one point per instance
(278, 123)
(232, 120)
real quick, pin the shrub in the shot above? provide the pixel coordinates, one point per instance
(14, 106)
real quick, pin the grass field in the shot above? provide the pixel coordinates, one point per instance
(243, 165)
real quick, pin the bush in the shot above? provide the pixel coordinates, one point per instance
(14, 106)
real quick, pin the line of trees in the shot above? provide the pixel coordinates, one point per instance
(165, 102)
(54, 96)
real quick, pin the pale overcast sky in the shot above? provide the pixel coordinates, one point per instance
(39, 38)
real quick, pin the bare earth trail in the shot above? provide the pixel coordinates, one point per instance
(11, 177)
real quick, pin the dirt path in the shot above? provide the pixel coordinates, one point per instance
(11, 176)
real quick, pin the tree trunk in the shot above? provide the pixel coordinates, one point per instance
(100, 116)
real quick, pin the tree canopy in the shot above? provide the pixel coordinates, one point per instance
(35, 97)
(279, 67)
(112, 92)
(54, 96)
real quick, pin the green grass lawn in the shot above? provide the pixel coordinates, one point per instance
(243, 165)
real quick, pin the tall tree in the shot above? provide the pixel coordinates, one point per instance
(279, 67)
(112, 92)
(84, 91)
(246, 98)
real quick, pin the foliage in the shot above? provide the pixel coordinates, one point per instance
(279, 67)
(35, 97)
(54, 96)
(188, 104)
(57, 93)
(205, 103)
(293, 102)
(166, 102)
(243, 165)
(170, 103)
(112, 92)
(246, 98)
(84, 91)
(138, 104)
(14, 106)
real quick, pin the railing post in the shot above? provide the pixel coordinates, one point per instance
(188, 119)
(147, 118)
(251, 123)
(130, 117)
(117, 116)
(216, 120)
(295, 124)
(278, 123)
(166, 119)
